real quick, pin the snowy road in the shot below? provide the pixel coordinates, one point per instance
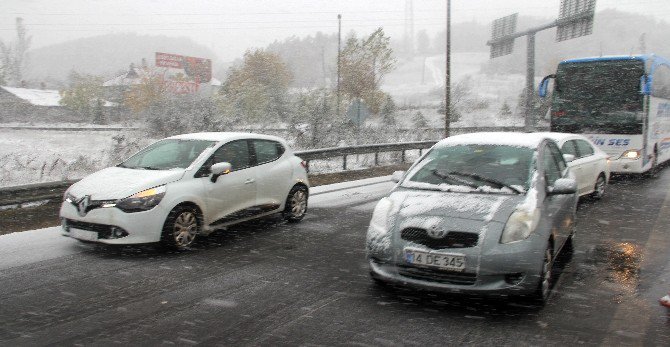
(272, 283)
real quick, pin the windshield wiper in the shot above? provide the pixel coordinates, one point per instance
(149, 168)
(451, 177)
(487, 180)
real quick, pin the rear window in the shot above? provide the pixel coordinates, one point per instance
(267, 151)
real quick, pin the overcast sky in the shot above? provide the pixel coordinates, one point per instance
(229, 27)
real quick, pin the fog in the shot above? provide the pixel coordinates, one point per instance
(228, 28)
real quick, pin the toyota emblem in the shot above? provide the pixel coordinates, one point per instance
(436, 232)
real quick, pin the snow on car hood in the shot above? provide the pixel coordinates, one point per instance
(473, 206)
(117, 183)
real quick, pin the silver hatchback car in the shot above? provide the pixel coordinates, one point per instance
(483, 213)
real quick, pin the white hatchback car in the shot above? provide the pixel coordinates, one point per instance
(186, 185)
(589, 164)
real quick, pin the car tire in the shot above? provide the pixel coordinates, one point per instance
(653, 171)
(180, 228)
(296, 204)
(599, 187)
(543, 289)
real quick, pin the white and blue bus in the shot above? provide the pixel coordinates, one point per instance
(621, 103)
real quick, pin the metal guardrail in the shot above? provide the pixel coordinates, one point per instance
(326, 153)
(20, 195)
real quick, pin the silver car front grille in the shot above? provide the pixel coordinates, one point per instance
(452, 239)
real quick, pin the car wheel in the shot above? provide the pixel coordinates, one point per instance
(181, 228)
(599, 188)
(296, 204)
(544, 285)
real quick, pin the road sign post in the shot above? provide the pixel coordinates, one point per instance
(575, 20)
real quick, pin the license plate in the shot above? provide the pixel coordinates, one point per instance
(453, 262)
(83, 234)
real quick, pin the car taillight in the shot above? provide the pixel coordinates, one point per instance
(304, 164)
(558, 113)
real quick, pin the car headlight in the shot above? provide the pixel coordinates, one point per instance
(519, 226)
(381, 213)
(142, 201)
(631, 154)
(378, 238)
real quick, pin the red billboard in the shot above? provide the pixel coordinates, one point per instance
(199, 69)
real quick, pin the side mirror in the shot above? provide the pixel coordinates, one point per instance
(568, 157)
(397, 176)
(544, 85)
(645, 85)
(563, 186)
(219, 169)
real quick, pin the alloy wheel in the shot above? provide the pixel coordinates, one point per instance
(185, 229)
(298, 203)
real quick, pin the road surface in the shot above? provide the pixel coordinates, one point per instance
(272, 283)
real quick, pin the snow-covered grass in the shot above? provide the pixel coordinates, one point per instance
(420, 83)
(32, 156)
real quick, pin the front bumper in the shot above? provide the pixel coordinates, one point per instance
(137, 227)
(509, 269)
(626, 166)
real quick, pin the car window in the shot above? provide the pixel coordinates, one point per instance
(236, 153)
(570, 147)
(167, 154)
(451, 165)
(552, 170)
(267, 151)
(585, 148)
(558, 156)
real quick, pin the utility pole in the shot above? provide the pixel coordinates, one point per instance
(447, 79)
(339, 54)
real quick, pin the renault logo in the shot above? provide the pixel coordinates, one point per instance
(436, 232)
(82, 205)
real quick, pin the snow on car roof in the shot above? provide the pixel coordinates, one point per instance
(560, 137)
(531, 140)
(225, 136)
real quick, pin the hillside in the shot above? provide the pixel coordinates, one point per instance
(105, 55)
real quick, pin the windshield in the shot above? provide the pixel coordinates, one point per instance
(167, 154)
(478, 167)
(600, 97)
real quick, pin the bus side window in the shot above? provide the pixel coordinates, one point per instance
(661, 82)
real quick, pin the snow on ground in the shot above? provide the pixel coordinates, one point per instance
(420, 83)
(32, 156)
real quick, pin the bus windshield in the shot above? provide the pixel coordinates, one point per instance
(598, 97)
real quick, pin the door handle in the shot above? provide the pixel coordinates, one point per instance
(249, 181)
